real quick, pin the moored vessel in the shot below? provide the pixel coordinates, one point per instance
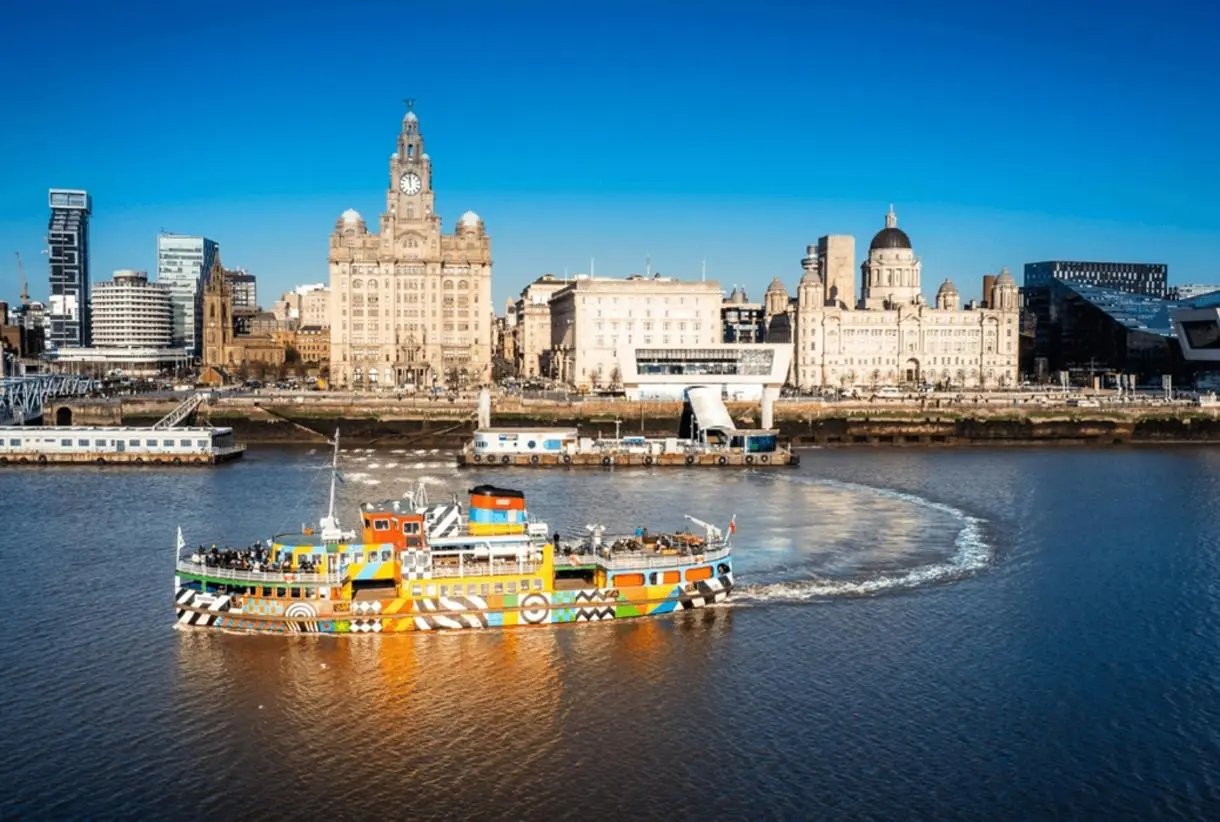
(423, 566)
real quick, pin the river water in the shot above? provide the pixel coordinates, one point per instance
(920, 634)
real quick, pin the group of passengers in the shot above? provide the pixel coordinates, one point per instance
(256, 557)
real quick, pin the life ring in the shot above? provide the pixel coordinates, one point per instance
(690, 459)
(23, 460)
(606, 460)
(533, 459)
(722, 460)
(138, 461)
(3, 460)
(567, 459)
(648, 460)
(42, 459)
(100, 461)
(177, 460)
(749, 459)
(764, 459)
(504, 460)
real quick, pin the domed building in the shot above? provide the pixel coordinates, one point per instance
(891, 336)
(410, 305)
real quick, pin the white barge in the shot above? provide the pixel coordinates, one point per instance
(120, 445)
(707, 437)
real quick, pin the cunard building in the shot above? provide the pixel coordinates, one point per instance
(410, 305)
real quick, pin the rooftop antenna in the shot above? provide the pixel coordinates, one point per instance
(590, 267)
(25, 290)
(647, 265)
(704, 270)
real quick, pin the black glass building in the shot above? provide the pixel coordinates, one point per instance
(68, 250)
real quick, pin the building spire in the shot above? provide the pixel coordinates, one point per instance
(410, 104)
(891, 219)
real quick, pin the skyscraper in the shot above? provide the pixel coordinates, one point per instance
(183, 264)
(68, 250)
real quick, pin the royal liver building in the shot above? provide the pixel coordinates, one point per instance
(410, 306)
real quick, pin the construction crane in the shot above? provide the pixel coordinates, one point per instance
(25, 290)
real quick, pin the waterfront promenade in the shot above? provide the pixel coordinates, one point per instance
(1024, 417)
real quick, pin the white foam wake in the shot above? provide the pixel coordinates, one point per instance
(971, 552)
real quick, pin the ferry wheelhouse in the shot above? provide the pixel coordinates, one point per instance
(421, 566)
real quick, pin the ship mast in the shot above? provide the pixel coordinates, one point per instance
(329, 525)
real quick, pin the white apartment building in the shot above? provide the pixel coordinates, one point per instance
(305, 305)
(184, 263)
(593, 319)
(131, 312)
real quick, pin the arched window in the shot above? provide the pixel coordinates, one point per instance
(448, 285)
(463, 284)
(410, 151)
(357, 283)
(372, 283)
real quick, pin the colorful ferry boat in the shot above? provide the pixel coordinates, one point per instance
(421, 566)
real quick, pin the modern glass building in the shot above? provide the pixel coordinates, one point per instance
(1150, 279)
(184, 264)
(68, 253)
(1098, 330)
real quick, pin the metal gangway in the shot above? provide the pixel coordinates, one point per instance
(184, 410)
(22, 398)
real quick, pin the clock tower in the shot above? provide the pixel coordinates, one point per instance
(410, 306)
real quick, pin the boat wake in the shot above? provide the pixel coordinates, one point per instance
(970, 553)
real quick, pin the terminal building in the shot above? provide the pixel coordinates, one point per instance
(742, 372)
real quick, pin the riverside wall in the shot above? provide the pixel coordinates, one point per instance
(444, 424)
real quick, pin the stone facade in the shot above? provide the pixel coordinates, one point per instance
(533, 329)
(597, 321)
(891, 337)
(410, 306)
(224, 351)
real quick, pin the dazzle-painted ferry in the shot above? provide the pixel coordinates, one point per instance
(420, 566)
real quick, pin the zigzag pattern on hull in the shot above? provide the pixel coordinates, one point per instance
(464, 612)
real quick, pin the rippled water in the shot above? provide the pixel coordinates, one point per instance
(920, 634)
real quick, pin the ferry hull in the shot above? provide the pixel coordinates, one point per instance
(736, 459)
(202, 609)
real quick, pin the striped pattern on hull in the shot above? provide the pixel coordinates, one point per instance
(707, 592)
(196, 608)
(463, 612)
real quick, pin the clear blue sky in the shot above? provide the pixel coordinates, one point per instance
(1002, 132)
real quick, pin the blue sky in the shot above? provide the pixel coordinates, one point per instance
(1003, 133)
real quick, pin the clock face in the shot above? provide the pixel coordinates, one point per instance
(409, 183)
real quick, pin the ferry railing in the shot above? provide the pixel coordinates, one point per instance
(260, 577)
(620, 561)
(482, 568)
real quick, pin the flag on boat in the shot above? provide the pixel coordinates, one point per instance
(339, 477)
(733, 525)
(181, 541)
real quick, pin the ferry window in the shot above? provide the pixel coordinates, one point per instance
(66, 443)
(525, 585)
(152, 443)
(169, 443)
(266, 592)
(410, 527)
(317, 560)
(84, 443)
(552, 445)
(14, 442)
(185, 443)
(483, 589)
(417, 591)
(531, 444)
(296, 593)
(499, 587)
(134, 443)
(471, 589)
(431, 590)
(652, 578)
(201, 443)
(100, 443)
(512, 587)
(385, 556)
(537, 585)
(279, 592)
(381, 525)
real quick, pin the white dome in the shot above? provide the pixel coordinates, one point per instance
(410, 117)
(470, 219)
(424, 156)
(351, 216)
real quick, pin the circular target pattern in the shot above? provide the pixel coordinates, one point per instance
(301, 610)
(535, 609)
